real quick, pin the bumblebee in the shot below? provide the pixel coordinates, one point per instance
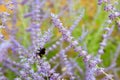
(40, 52)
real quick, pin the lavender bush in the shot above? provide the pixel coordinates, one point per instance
(56, 40)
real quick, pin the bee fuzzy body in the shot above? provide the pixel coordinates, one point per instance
(40, 52)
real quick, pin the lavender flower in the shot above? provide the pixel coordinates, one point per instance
(65, 57)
